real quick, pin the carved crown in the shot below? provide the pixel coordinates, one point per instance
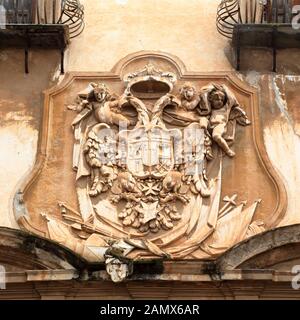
(150, 80)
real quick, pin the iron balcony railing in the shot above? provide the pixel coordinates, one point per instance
(41, 12)
(233, 12)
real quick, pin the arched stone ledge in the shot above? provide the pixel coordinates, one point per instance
(23, 250)
(244, 254)
(33, 258)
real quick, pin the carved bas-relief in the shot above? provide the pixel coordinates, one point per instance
(158, 166)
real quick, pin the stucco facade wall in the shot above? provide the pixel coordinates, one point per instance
(114, 29)
(21, 101)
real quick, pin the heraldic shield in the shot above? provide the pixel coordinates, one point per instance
(149, 153)
(155, 164)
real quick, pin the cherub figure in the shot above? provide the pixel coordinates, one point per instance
(106, 108)
(190, 101)
(189, 97)
(218, 106)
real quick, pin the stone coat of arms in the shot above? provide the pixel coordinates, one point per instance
(148, 167)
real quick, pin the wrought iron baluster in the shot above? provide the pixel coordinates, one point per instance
(288, 11)
(232, 12)
(72, 15)
(54, 11)
(66, 12)
(22, 12)
(45, 11)
(18, 11)
(228, 15)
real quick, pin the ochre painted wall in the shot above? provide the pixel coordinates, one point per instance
(116, 28)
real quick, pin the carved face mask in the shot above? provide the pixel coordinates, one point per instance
(217, 99)
(100, 95)
(117, 270)
(189, 93)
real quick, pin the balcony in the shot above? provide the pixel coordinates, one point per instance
(47, 24)
(259, 24)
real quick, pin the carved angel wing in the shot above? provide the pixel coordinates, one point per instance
(140, 107)
(240, 115)
(159, 106)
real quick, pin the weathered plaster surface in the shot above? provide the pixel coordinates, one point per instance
(280, 117)
(281, 134)
(21, 103)
(18, 144)
(116, 28)
(279, 111)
